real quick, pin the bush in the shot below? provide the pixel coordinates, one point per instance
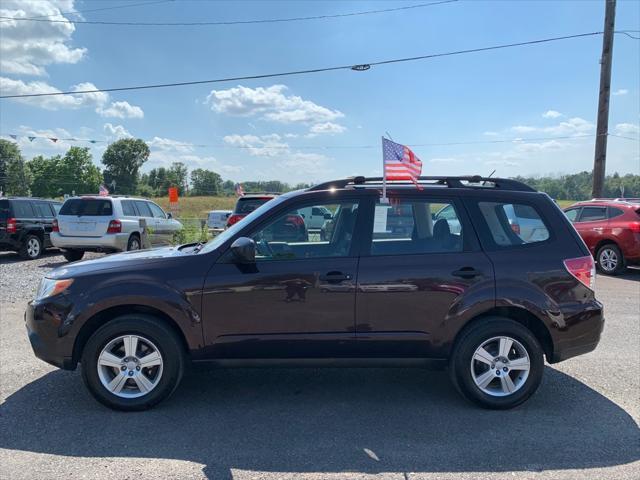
(193, 231)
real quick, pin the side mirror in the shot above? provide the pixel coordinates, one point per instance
(169, 215)
(243, 250)
(328, 216)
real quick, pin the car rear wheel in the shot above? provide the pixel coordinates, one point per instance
(497, 363)
(31, 247)
(610, 260)
(72, 255)
(132, 363)
(133, 243)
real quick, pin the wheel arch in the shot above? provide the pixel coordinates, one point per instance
(105, 316)
(527, 319)
(602, 243)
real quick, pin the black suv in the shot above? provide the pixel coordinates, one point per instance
(464, 290)
(25, 225)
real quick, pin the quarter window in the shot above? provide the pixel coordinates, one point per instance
(513, 224)
(615, 212)
(128, 209)
(416, 227)
(592, 214)
(287, 237)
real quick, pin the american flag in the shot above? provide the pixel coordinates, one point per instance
(400, 163)
(239, 190)
(102, 191)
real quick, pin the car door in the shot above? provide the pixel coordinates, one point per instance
(164, 228)
(145, 212)
(415, 275)
(296, 300)
(591, 225)
(46, 214)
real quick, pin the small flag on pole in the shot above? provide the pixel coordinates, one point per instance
(239, 190)
(102, 191)
(400, 163)
(54, 140)
(31, 139)
(13, 136)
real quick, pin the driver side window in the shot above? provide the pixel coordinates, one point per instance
(292, 236)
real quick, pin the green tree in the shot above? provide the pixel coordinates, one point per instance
(46, 180)
(205, 182)
(122, 160)
(9, 153)
(73, 172)
(177, 176)
(18, 177)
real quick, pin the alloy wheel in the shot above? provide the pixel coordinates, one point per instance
(33, 247)
(500, 366)
(130, 366)
(608, 260)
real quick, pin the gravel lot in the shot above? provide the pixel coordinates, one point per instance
(322, 423)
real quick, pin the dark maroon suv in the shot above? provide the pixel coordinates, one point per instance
(463, 290)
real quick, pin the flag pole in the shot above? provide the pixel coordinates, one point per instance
(384, 176)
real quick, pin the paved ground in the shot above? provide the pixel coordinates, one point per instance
(313, 423)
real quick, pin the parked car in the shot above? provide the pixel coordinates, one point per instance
(25, 225)
(217, 220)
(611, 230)
(109, 224)
(485, 302)
(315, 216)
(247, 204)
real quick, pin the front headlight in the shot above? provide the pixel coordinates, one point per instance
(50, 287)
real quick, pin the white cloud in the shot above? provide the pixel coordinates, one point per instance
(28, 47)
(573, 126)
(445, 160)
(270, 103)
(96, 100)
(523, 129)
(620, 91)
(327, 127)
(552, 114)
(120, 110)
(627, 129)
(502, 163)
(168, 144)
(259, 146)
(116, 131)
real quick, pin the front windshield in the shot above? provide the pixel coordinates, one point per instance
(236, 227)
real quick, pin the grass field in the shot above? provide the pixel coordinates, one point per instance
(199, 207)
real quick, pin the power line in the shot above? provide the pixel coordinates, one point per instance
(234, 22)
(364, 66)
(39, 17)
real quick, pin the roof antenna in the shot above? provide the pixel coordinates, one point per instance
(490, 175)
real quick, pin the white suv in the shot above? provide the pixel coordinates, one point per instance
(109, 224)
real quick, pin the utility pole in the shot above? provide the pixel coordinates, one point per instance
(602, 128)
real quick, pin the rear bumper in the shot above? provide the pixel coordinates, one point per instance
(580, 334)
(112, 241)
(46, 331)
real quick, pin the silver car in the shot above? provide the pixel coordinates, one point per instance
(109, 224)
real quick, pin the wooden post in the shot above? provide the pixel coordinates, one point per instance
(144, 234)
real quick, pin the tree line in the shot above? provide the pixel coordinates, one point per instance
(75, 172)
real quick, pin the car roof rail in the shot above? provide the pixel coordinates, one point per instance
(469, 181)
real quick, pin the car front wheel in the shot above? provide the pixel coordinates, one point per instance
(610, 260)
(132, 363)
(31, 248)
(497, 363)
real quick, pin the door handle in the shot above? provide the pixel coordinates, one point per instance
(335, 277)
(466, 272)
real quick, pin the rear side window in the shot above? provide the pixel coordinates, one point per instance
(592, 214)
(615, 212)
(43, 209)
(416, 227)
(92, 207)
(143, 209)
(128, 209)
(513, 224)
(4, 209)
(23, 209)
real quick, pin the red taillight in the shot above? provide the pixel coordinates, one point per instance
(54, 226)
(583, 269)
(634, 227)
(516, 228)
(115, 226)
(297, 220)
(11, 225)
(235, 218)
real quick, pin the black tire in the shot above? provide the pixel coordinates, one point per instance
(149, 328)
(610, 260)
(134, 242)
(72, 255)
(31, 247)
(460, 364)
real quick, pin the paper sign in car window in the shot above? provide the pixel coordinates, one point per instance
(380, 219)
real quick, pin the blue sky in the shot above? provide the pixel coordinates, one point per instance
(302, 128)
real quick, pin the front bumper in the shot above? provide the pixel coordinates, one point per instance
(47, 326)
(110, 241)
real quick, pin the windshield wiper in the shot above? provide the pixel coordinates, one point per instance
(198, 246)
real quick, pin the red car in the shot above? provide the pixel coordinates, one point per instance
(611, 230)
